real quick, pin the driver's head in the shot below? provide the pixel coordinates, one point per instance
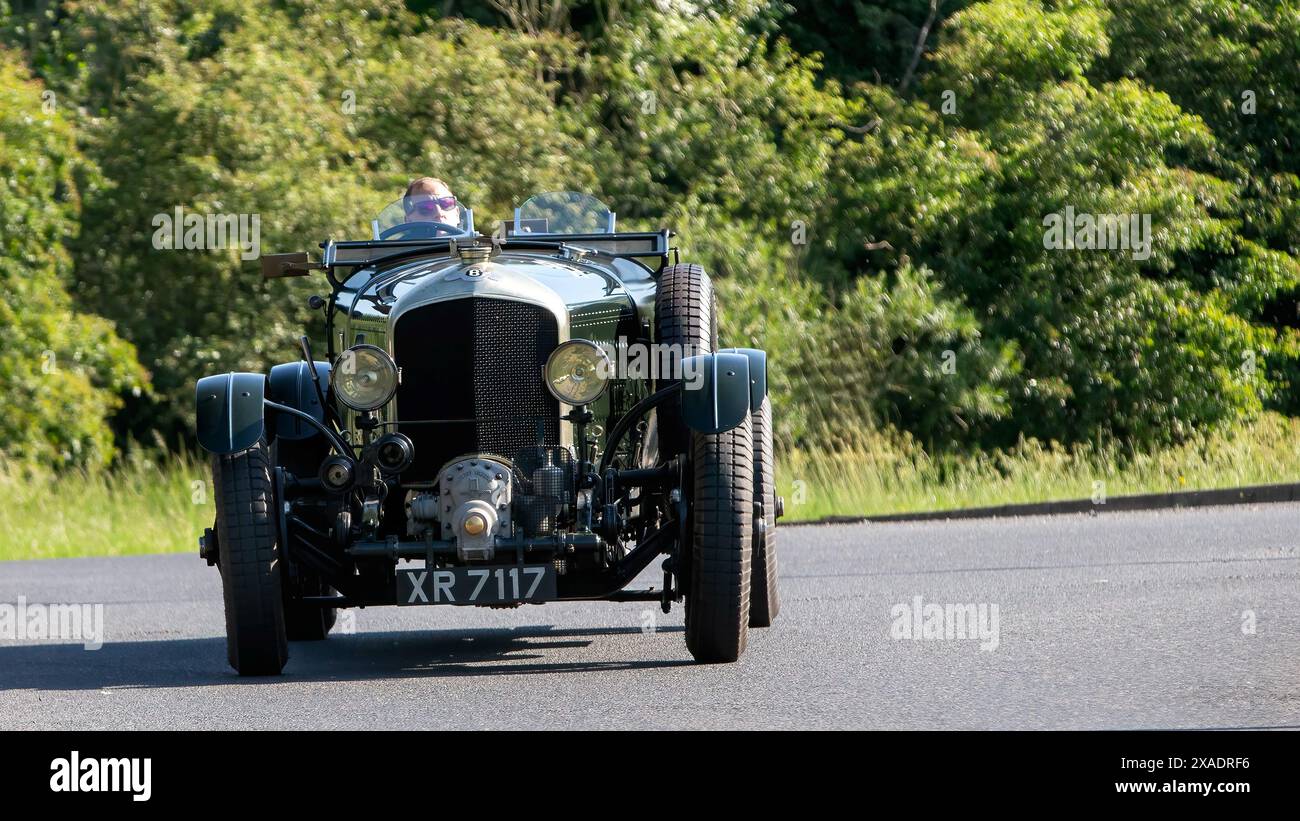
(429, 199)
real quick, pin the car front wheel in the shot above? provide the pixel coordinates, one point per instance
(249, 558)
(722, 528)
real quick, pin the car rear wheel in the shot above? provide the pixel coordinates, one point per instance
(249, 558)
(764, 602)
(722, 533)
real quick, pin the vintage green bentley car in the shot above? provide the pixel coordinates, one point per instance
(526, 417)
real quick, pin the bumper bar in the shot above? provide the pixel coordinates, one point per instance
(554, 546)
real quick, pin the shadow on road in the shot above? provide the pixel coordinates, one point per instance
(407, 654)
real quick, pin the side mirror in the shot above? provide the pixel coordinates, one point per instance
(275, 266)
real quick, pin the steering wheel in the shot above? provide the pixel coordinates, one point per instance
(422, 230)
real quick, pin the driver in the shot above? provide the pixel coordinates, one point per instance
(429, 199)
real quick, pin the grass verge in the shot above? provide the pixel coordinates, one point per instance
(144, 505)
(895, 476)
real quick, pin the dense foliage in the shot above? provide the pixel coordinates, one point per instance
(868, 181)
(62, 373)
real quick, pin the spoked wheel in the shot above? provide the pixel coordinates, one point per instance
(764, 602)
(249, 558)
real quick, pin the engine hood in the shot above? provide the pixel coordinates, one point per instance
(587, 298)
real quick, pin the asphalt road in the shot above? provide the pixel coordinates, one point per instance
(1175, 619)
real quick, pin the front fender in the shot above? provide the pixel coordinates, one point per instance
(291, 384)
(716, 391)
(757, 373)
(229, 411)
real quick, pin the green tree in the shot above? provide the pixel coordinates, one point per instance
(1237, 66)
(62, 372)
(1145, 349)
(861, 40)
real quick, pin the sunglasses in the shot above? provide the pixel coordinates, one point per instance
(432, 206)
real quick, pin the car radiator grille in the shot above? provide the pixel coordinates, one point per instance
(477, 362)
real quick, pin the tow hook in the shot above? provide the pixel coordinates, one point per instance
(208, 546)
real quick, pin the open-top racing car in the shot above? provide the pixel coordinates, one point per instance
(520, 418)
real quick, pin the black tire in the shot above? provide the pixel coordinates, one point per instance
(722, 534)
(764, 603)
(685, 315)
(256, 643)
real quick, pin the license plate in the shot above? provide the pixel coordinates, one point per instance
(476, 585)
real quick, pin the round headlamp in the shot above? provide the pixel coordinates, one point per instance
(364, 378)
(577, 372)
